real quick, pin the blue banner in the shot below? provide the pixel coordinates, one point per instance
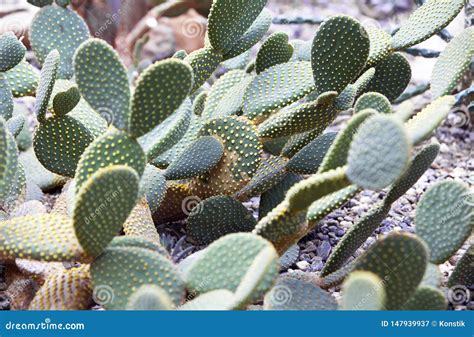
(233, 324)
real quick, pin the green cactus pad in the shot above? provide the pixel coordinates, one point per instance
(346, 98)
(270, 172)
(168, 133)
(444, 219)
(402, 271)
(425, 122)
(6, 99)
(8, 160)
(419, 165)
(427, 298)
(230, 20)
(64, 102)
(355, 237)
(216, 217)
(122, 271)
(23, 79)
(12, 51)
(65, 290)
(308, 160)
(140, 223)
(231, 103)
(153, 186)
(379, 154)
(203, 63)
(137, 242)
(363, 290)
(242, 157)
(161, 89)
(59, 144)
(292, 294)
(392, 76)
(102, 205)
(302, 195)
(113, 148)
(277, 87)
(199, 158)
(48, 238)
(58, 28)
(255, 33)
(275, 50)
(453, 63)
(220, 88)
(334, 279)
(426, 21)
(220, 299)
(306, 117)
(275, 195)
(96, 63)
(38, 174)
(46, 84)
(380, 45)
(373, 100)
(16, 124)
(199, 103)
(292, 145)
(226, 261)
(41, 3)
(150, 298)
(338, 153)
(463, 274)
(339, 53)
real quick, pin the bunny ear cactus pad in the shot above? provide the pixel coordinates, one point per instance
(225, 263)
(96, 63)
(293, 294)
(41, 3)
(126, 269)
(65, 101)
(220, 299)
(305, 117)
(59, 144)
(153, 186)
(58, 28)
(65, 290)
(200, 157)
(363, 290)
(275, 50)
(150, 298)
(203, 62)
(380, 45)
(276, 88)
(308, 160)
(103, 204)
(22, 79)
(463, 274)
(453, 63)
(392, 76)
(229, 20)
(161, 89)
(373, 100)
(444, 219)
(427, 298)
(216, 217)
(402, 271)
(6, 99)
(425, 122)
(426, 21)
(339, 53)
(48, 238)
(255, 33)
(46, 84)
(113, 148)
(12, 51)
(8, 160)
(379, 154)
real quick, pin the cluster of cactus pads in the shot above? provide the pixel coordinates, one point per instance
(131, 154)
